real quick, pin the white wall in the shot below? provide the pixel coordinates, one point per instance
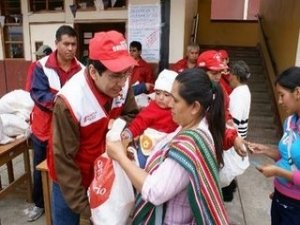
(43, 33)
(181, 21)
(176, 42)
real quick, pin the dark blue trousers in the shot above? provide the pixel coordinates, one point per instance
(285, 210)
(39, 155)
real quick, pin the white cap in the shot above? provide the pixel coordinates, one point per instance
(165, 80)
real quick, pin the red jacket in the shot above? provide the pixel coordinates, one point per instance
(142, 73)
(225, 83)
(180, 65)
(230, 133)
(29, 76)
(47, 80)
(153, 117)
(86, 104)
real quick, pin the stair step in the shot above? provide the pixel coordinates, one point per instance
(260, 97)
(263, 135)
(254, 120)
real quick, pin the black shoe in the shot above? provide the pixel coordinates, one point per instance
(233, 185)
(227, 193)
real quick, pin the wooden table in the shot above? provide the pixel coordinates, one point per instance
(7, 153)
(46, 190)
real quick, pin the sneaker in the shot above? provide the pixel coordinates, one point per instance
(34, 213)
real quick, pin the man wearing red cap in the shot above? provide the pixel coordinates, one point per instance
(81, 116)
(189, 61)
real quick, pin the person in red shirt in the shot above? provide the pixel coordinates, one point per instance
(189, 61)
(43, 50)
(212, 62)
(155, 121)
(142, 77)
(226, 72)
(49, 75)
(83, 109)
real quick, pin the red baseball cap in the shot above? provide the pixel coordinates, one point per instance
(110, 48)
(211, 60)
(224, 54)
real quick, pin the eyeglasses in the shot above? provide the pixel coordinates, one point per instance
(117, 77)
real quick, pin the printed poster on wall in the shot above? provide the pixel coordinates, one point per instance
(144, 22)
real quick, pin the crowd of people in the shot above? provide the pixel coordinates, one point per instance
(199, 108)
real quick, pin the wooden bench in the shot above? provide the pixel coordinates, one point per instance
(8, 152)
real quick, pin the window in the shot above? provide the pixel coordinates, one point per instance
(12, 30)
(13, 40)
(46, 5)
(234, 9)
(99, 4)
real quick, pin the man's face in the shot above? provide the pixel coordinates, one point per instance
(135, 53)
(109, 83)
(66, 47)
(214, 75)
(192, 55)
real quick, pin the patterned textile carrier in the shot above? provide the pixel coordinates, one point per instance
(203, 191)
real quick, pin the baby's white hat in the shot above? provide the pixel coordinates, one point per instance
(165, 80)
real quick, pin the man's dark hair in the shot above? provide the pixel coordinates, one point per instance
(65, 29)
(97, 64)
(136, 44)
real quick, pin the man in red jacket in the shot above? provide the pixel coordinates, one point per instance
(142, 77)
(50, 74)
(82, 111)
(189, 61)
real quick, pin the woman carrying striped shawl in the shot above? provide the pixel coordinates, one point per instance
(180, 183)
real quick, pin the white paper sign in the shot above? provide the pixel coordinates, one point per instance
(144, 23)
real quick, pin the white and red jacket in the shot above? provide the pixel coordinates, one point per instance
(86, 106)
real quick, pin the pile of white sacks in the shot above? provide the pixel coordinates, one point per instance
(15, 109)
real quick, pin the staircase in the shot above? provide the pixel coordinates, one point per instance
(262, 121)
(251, 204)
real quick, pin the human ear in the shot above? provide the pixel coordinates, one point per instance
(92, 72)
(297, 93)
(197, 108)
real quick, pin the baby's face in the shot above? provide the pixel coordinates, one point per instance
(163, 98)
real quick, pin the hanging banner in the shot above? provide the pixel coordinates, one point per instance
(144, 23)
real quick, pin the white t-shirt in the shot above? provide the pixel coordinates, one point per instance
(239, 107)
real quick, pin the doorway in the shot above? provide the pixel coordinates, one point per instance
(86, 31)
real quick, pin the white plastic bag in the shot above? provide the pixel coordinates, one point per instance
(110, 193)
(234, 165)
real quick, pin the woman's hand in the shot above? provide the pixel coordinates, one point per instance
(256, 148)
(268, 170)
(239, 146)
(115, 150)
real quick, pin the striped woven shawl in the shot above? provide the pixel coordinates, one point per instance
(193, 150)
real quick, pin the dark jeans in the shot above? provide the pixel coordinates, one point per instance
(39, 155)
(61, 213)
(285, 210)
